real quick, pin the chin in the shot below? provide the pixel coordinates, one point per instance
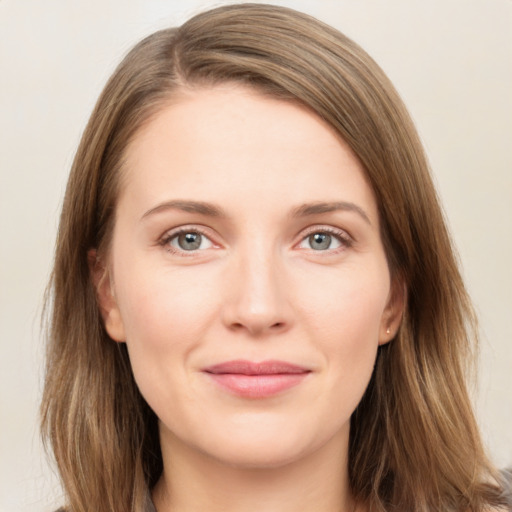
(266, 446)
(258, 456)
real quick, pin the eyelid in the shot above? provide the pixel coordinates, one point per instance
(342, 235)
(170, 234)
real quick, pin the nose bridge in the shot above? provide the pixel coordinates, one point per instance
(258, 301)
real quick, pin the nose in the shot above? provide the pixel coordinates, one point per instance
(257, 298)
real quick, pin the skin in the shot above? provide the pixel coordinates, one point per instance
(257, 288)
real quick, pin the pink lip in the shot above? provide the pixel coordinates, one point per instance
(256, 380)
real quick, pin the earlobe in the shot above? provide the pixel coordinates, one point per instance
(394, 311)
(103, 285)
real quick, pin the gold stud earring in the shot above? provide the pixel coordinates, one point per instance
(388, 331)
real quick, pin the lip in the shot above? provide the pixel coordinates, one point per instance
(256, 380)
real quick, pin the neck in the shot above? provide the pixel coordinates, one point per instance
(193, 482)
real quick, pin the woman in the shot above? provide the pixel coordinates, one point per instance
(256, 305)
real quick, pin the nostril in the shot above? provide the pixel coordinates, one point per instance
(257, 328)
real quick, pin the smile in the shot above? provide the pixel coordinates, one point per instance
(256, 380)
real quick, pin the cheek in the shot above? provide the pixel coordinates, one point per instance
(347, 304)
(159, 305)
(344, 315)
(166, 315)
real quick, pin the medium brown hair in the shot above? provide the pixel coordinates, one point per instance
(414, 443)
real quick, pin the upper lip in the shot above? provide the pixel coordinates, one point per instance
(242, 367)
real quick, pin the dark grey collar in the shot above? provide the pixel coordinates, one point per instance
(149, 506)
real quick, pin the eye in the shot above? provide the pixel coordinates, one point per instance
(321, 242)
(325, 240)
(188, 241)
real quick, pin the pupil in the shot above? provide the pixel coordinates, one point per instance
(189, 241)
(320, 241)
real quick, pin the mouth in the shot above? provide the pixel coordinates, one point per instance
(256, 380)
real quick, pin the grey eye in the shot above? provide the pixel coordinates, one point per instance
(320, 241)
(323, 241)
(190, 241)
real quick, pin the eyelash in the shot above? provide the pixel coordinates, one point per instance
(343, 238)
(168, 237)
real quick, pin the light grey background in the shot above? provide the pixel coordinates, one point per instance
(450, 59)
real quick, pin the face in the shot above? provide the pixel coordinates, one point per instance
(247, 277)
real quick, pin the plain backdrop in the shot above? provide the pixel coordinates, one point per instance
(450, 59)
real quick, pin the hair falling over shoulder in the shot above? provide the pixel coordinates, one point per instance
(414, 443)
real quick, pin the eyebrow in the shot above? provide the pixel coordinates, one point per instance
(199, 207)
(304, 210)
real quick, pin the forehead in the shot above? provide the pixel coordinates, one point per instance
(226, 141)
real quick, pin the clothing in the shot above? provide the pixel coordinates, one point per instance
(149, 506)
(507, 486)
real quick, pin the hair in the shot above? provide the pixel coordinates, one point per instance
(414, 443)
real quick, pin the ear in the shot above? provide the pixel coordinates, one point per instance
(103, 284)
(393, 313)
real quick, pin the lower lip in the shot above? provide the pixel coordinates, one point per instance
(257, 386)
